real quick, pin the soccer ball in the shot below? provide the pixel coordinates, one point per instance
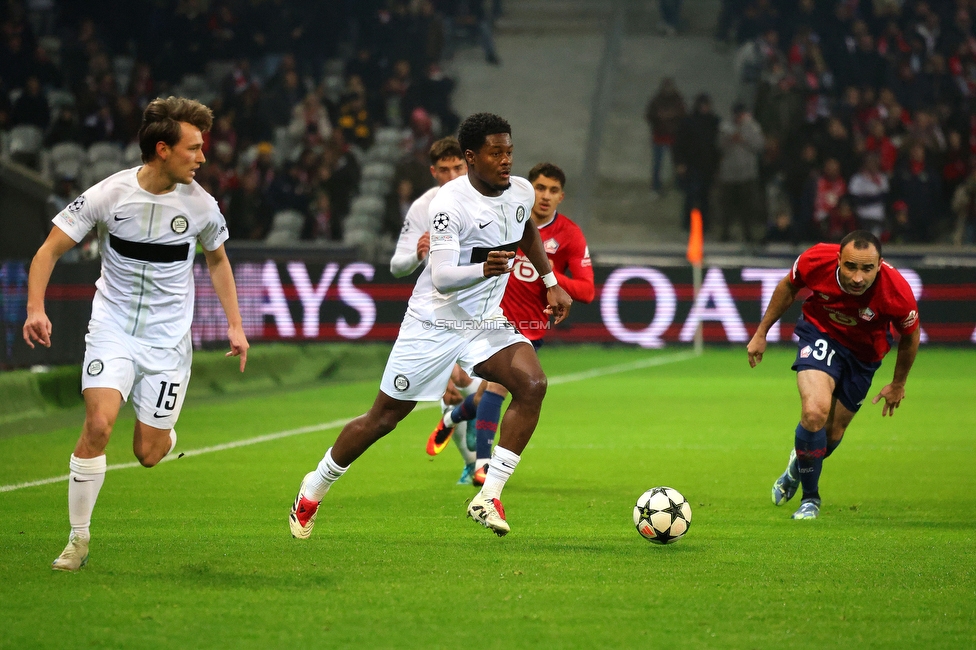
(662, 515)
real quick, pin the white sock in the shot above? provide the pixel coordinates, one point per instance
(472, 387)
(172, 444)
(460, 437)
(503, 462)
(447, 419)
(84, 481)
(317, 483)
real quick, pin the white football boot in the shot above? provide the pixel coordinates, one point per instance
(489, 513)
(74, 556)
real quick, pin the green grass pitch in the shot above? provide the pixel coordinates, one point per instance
(196, 552)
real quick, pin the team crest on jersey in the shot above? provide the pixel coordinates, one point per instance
(77, 204)
(551, 246)
(866, 314)
(520, 214)
(441, 221)
(401, 383)
(910, 319)
(179, 224)
(95, 367)
(806, 352)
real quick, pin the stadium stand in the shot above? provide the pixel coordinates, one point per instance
(312, 99)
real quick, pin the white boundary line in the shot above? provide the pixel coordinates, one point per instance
(334, 424)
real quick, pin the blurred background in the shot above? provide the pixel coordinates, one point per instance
(786, 122)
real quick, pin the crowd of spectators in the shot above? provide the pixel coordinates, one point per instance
(315, 78)
(850, 113)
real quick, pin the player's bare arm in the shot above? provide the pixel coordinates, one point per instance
(894, 392)
(222, 278)
(37, 327)
(783, 296)
(531, 245)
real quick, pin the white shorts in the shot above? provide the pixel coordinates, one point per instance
(424, 356)
(156, 377)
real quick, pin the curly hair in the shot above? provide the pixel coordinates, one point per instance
(476, 129)
(161, 122)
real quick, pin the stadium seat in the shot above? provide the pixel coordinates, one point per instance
(122, 66)
(99, 171)
(132, 156)
(105, 152)
(58, 98)
(371, 205)
(66, 159)
(374, 187)
(25, 145)
(381, 170)
(286, 226)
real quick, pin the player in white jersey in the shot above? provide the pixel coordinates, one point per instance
(446, 164)
(476, 223)
(149, 220)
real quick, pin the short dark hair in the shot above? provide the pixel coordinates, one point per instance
(161, 122)
(476, 129)
(548, 170)
(861, 240)
(445, 148)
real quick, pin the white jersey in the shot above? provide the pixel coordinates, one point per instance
(415, 224)
(148, 242)
(463, 219)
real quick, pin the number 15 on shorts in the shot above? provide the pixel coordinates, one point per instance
(168, 395)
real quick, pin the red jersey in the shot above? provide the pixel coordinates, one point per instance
(859, 323)
(525, 295)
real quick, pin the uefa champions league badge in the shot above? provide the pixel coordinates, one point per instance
(441, 221)
(179, 224)
(77, 204)
(95, 367)
(520, 214)
(401, 383)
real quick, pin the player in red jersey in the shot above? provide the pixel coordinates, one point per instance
(526, 307)
(844, 332)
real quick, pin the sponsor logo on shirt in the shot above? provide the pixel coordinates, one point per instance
(806, 352)
(551, 246)
(77, 204)
(440, 239)
(179, 225)
(67, 218)
(441, 221)
(910, 319)
(840, 317)
(867, 313)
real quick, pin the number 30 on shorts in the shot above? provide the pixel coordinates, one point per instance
(821, 351)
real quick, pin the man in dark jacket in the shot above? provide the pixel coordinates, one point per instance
(696, 157)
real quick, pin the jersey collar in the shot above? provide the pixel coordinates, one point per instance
(555, 215)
